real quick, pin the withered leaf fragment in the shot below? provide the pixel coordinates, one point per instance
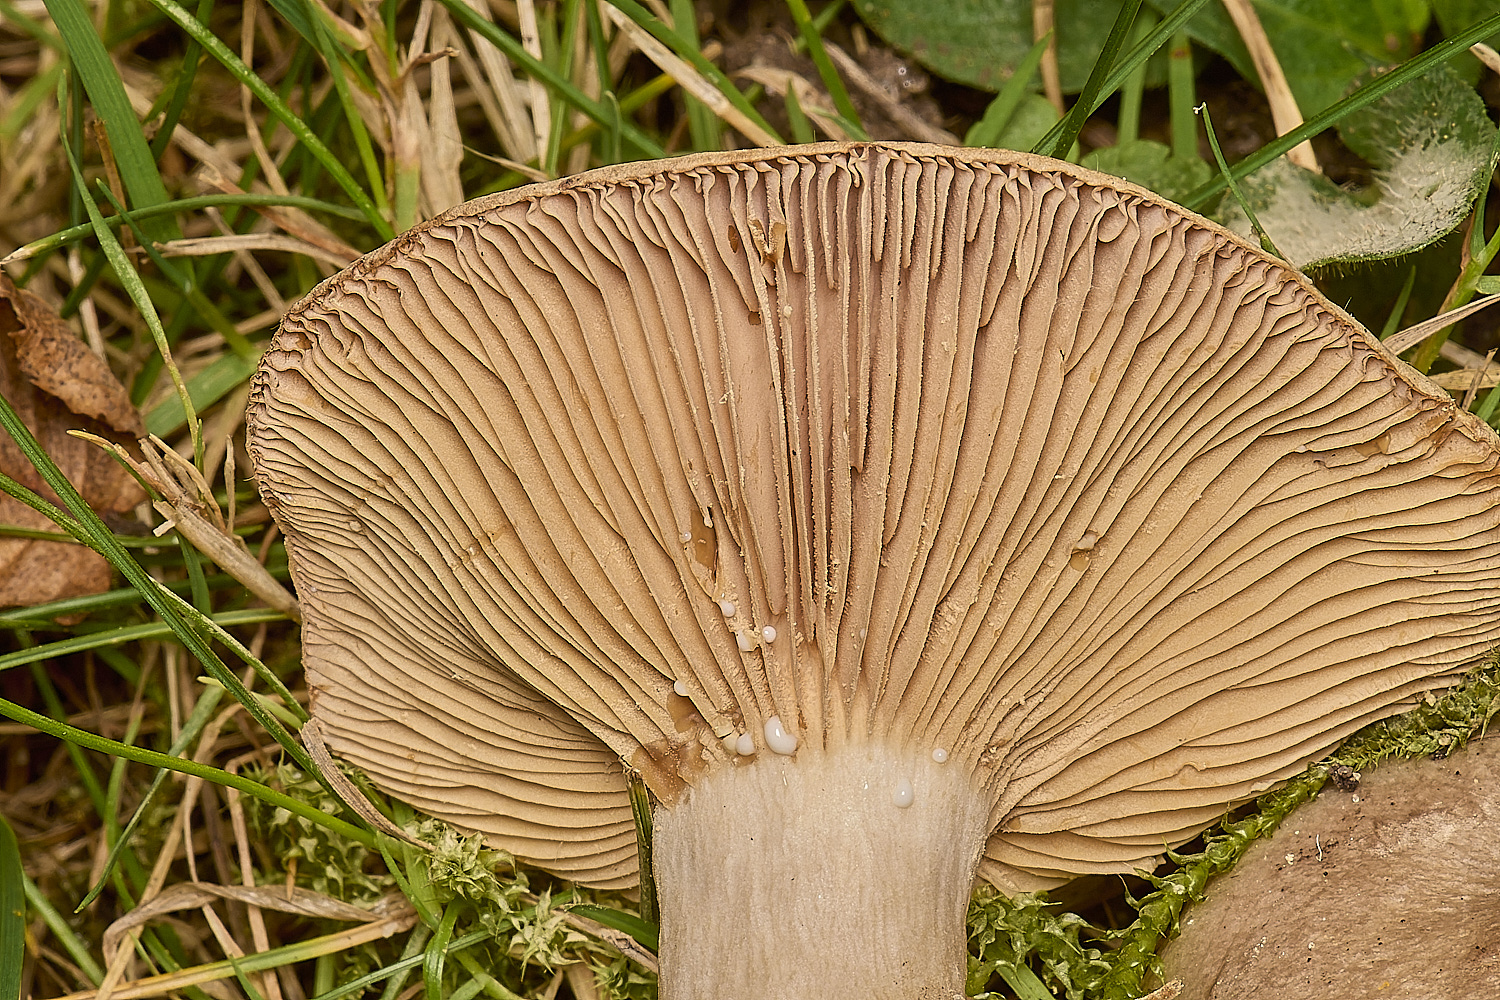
(56, 384)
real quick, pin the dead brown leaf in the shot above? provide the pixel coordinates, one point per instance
(55, 383)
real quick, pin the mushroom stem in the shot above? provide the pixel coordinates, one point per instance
(831, 874)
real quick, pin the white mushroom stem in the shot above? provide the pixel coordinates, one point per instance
(807, 878)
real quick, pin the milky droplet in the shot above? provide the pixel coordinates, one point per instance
(778, 739)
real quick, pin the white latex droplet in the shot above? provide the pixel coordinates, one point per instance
(904, 795)
(940, 755)
(768, 633)
(726, 606)
(730, 742)
(680, 688)
(778, 739)
(744, 745)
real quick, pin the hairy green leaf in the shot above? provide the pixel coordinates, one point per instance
(1432, 147)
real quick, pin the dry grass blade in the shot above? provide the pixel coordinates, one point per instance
(511, 120)
(911, 123)
(312, 738)
(1486, 55)
(812, 100)
(1284, 111)
(1043, 25)
(207, 246)
(688, 78)
(282, 899)
(328, 944)
(1399, 343)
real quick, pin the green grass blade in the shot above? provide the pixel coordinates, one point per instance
(71, 235)
(334, 59)
(130, 280)
(1182, 98)
(182, 88)
(203, 710)
(515, 52)
(283, 113)
(1393, 318)
(129, 633)
(646, 933)
(355, 986)
(185, 283)
(214, 624)
(830, 76)
(1128, 125)
(1137, 55)
(63, 931)
(437, 953)
(295, 13)
(640, 809)
(29, 26)
(1024, 982)
(802, 130)
(1234, 185)
(23, 104)
(93, 531)
(1370, 92)
(12, 913)
(153, 758)
(107, 94)
(1072, 122)
(210, 385)
(38, 615)
(703, 125)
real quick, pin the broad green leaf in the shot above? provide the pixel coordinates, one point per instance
(1432, 147)
(981, 42)
(1151, 165)
(1455, 15)
(1321, 45)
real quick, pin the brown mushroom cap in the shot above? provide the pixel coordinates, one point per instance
(1017, 461)
(1386, 889)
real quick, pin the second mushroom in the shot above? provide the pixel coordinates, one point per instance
(901, 514)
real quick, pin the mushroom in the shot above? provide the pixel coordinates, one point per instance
(1385, 890)
(897, 512)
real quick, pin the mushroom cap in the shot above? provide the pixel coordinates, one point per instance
(1388, 888)
(952, 449)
